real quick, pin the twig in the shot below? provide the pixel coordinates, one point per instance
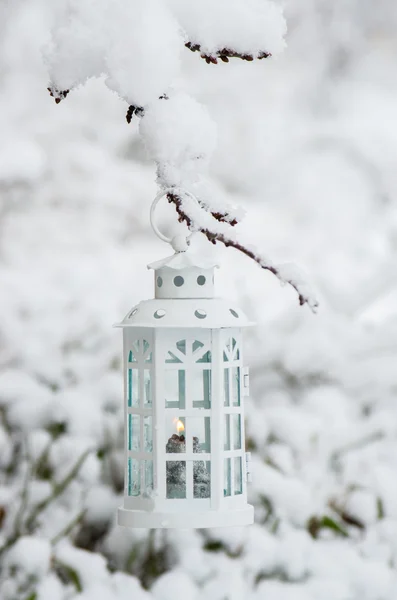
(221, 217)
(24, 501)
(224, 54)
(138, 111)
(29, 524)
(68, 528)
(57, 491)
(58, 95)
(357, 445)
(214, 237)
(345, 515)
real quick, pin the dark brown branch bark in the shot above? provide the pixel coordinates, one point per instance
(215, 237)
(224, 54)
(138, 111)
(57, 94)
(218, 216)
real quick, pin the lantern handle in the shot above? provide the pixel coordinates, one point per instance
(179, 243)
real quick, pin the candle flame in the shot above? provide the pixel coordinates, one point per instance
(180, 426)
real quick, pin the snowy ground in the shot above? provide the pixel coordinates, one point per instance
(306, 144)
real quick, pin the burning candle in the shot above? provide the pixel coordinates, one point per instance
(176, 443)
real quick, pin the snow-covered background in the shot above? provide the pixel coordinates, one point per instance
(307, 145)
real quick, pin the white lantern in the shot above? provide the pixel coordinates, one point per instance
(185, 384)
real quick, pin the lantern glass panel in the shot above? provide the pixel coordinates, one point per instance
(236, 418)
(199, 429)
(235, 373)
(201, 386)
(181, 346)
(172, 358)
(134, 351)
(238, 475)
(177, 352)
(133, 477)
(235, 350)
(200, 355)
(131, 356)
(147, 434)
(134, 432)
(175, 388)
(226, 440)
(133, 388)
(176, 479)
(201, 479)
(149, 484)
(226, 388)
(227, 480)
(147, 385)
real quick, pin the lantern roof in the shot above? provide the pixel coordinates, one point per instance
(203, 313)
(183, 260)
(184, 297)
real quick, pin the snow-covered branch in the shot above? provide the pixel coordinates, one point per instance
(224, 54)
(128, 43)
(137, 45)
(216, 228)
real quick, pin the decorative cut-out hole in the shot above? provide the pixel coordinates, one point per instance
(132, 313)
(178, 281)
(200, 314)
(159, 281)
(171, 358)
(234, 313)
(201, 280)
(181, 345)
(159, 314)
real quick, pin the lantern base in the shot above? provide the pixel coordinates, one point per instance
(140, 519)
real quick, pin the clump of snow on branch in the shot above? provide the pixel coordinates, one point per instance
(180, 136)
(246, 26)
(143, 52)
(76, 49)
(135, 44)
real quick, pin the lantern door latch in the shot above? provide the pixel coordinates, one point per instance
(246, 381)
(248, 466)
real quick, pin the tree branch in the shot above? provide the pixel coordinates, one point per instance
(68, 528)
(59, 488)
(224, 54)
(210, 58)
(216, 236)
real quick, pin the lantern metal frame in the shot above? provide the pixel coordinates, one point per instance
(183, 339)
